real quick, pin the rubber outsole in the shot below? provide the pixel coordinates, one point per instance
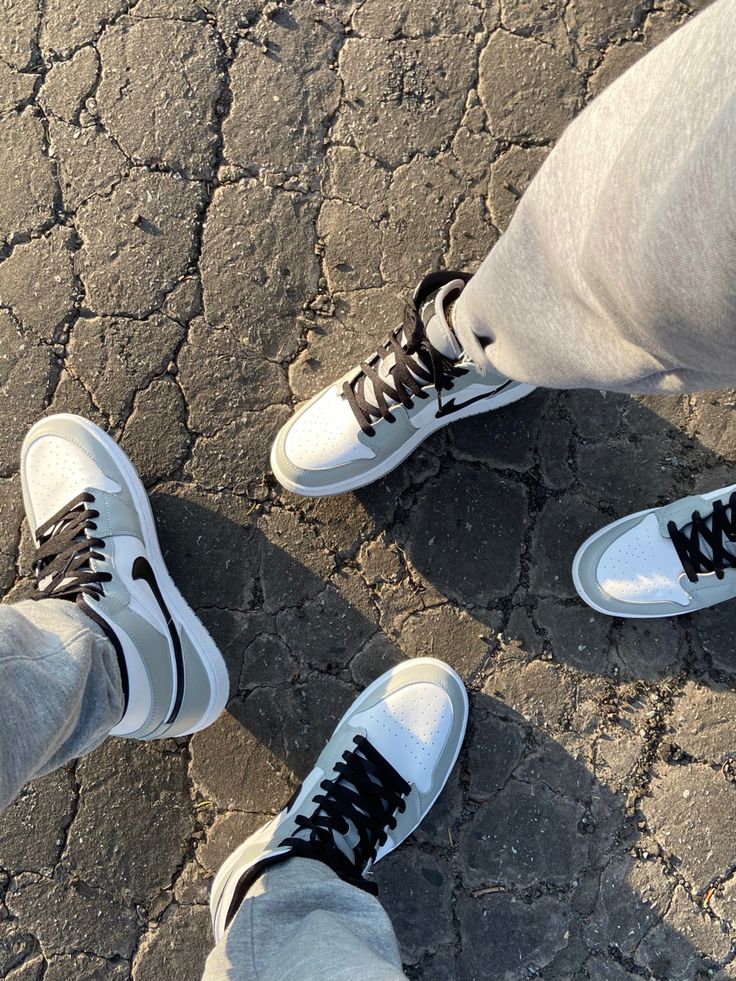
(207, 649)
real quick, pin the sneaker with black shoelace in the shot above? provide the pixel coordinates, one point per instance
(375, 781)
(662, 562)
(96, 546)
(366, 423)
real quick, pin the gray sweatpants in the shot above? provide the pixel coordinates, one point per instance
(60, 689)
(617, 272)
(61, 695)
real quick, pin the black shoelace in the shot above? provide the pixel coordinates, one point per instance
(416, 356)
(367, 795)
(689, 548)
(64, 552)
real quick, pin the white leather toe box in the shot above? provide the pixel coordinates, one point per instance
(410, 728)
(325, 435)
(641, 566)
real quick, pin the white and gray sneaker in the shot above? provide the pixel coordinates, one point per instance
(382, 770)
(365, 424)
(662, 562)
(96, 546)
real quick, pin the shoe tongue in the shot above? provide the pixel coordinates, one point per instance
(437, 331)
(81, 538)
(347, 842)
(703, 545)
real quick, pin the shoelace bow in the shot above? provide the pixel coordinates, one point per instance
(64, 552)
(370, 807)
(688, 546)
(415, 357)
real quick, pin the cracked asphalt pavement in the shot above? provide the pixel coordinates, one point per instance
(209, 209)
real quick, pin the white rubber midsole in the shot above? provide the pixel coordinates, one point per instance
(384, 467)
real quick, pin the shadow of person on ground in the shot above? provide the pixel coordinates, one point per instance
(586, 832)
(561, 848)
(494, 509)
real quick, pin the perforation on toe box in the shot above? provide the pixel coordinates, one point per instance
(56, 471)
(642, 567)
(325, 435)
(410, 728)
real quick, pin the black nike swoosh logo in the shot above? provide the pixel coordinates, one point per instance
(142, 570)
(449, 407)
